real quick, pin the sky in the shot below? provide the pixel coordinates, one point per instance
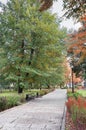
(57, 8)
(69, 23)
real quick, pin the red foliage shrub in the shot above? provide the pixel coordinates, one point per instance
(77, 110)
(81, 103)
(70, 103)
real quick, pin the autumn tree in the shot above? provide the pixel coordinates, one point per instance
(45, 4)
(76, 9)
(78, 46)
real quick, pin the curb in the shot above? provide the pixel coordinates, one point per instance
(63, 119)
(64, 115)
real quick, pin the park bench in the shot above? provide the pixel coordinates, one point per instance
(30, 97)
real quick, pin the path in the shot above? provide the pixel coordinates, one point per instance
(45, 113)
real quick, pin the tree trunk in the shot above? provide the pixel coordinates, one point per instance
(31, 57)
(22, 51)
(48, 86)
(20, 89)
(40, 86)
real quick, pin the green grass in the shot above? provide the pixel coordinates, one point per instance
(11, 94)
(7, 93)
(82, 92)
(15, 93)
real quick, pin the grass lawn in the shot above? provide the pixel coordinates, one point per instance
(11, 93)
(7, 93)
(82, 92)
(33, 92)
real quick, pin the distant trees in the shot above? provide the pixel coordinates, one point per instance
(31, 45)
(77, 10)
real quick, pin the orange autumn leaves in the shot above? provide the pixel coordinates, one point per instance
(68, 74)
(78, 41)
(45, 4)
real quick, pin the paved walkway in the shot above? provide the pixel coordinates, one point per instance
(45, 113)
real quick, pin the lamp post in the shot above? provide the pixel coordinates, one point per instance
(84, 67)
(72, 78)
(71, 62)
(73, 59)
(84, 45)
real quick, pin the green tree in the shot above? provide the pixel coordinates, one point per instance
(29, 42)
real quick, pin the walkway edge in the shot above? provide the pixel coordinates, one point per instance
(64, 115)
(64, 119)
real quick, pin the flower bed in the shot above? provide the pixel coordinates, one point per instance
(76, 112)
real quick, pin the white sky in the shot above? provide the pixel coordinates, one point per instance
(69, 23)
(4, 1)
(57, 8)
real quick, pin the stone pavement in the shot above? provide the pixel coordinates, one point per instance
(45, 113)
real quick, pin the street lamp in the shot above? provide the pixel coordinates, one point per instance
(72, 67)
(73, 59)
(71, 62)
(72, 78)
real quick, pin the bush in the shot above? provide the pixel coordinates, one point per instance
(77, 110)
(45, 91)
(10, 101)
(3, 103)
(75, 95)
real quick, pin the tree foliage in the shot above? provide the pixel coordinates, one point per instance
(30, 44)
(78, 46)
(45, 4)
(74, 8)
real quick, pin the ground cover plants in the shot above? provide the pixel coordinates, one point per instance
(76, 112)
(10, 99)
(82, 92)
